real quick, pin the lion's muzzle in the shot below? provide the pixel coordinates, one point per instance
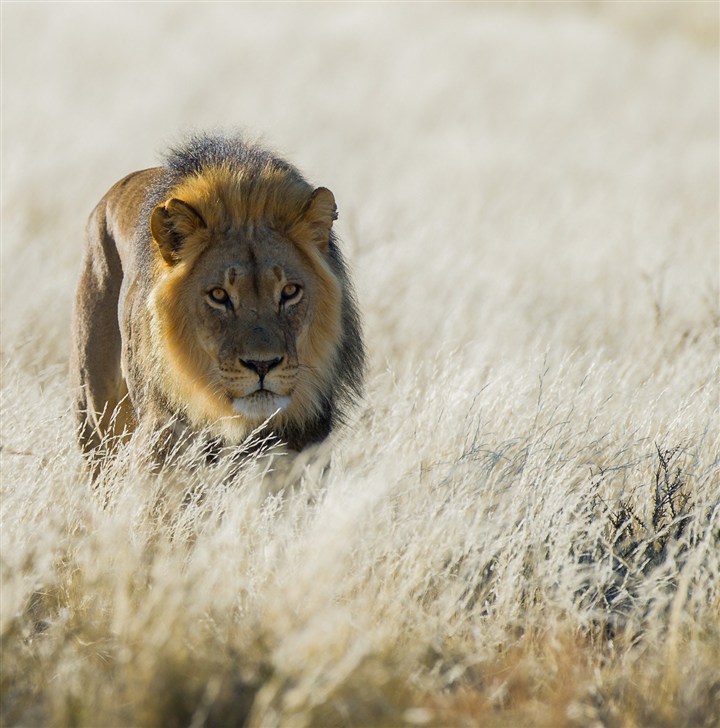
(261, 367)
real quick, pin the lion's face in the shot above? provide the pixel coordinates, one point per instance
(249, 320)
(251, 301)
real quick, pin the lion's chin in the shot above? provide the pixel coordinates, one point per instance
(261, 405)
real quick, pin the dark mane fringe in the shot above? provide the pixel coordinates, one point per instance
(350, 371)
(202, 151)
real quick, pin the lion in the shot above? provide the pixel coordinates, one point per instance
(213, 297)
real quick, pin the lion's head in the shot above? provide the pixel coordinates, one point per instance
(253, 317)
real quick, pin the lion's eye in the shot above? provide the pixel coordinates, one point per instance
(218, 295)
(291, 293)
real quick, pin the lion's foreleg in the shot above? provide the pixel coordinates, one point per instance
(102, 408)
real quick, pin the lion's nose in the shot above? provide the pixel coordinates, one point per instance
(261, 366)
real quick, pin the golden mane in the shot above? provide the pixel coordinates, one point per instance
(229, 196)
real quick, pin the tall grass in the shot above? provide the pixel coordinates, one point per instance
(521, 523)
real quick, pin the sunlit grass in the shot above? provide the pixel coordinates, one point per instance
(520, 524)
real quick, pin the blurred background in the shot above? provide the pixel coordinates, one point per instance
(505, 172)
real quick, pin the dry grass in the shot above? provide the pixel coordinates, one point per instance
(521, 526)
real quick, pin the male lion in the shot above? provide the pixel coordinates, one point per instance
(213, 296)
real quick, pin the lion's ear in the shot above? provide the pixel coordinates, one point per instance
(316, 220)
(170, 223)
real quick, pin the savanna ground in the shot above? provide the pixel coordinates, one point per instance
(520, 525)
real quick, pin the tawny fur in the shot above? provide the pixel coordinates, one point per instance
(151, 345)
